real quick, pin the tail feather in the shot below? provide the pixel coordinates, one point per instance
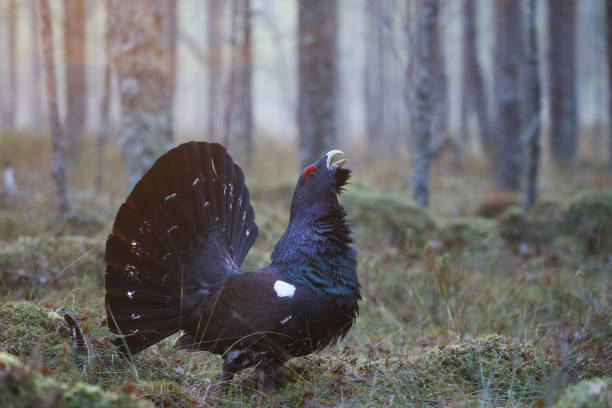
(185, 227)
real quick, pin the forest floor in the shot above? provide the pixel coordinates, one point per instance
(469, 303)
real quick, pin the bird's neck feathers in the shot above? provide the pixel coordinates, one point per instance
(315, 251)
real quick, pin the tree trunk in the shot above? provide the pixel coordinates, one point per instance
(474, 98)
(439, 126)
(609, 50)
(423, 101)
(104, 104)
(317, 73)
(11, 108)
(239, 112)
(169, 10)
(531, 116)
(562, 78)
(374, 83)
(508, 54)
(76, 75)
(215, 65)
(144, 72)
(35, 68)
(58, 166)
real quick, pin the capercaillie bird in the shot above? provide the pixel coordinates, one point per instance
(174, 255)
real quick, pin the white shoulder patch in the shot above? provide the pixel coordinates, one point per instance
(284, 289)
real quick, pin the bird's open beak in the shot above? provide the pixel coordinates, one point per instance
(334, 159)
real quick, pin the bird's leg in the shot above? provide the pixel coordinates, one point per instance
(267, 376)
(227, 374)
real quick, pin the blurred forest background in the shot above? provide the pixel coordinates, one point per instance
(492, 82)
(479, 133)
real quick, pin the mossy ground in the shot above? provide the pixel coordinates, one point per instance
(590, 393)
(461, 311)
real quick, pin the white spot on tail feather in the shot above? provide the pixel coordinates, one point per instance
(169, 196)
(284, 289)
(130, 294)
(286, 319)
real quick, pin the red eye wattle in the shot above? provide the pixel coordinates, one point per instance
(307, 172)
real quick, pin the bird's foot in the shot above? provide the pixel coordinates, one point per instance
(269, 377)
(225, 379)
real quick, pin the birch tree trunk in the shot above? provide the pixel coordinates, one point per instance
(317, 73)
(58, 165)
(609, 50)
(35, 67)
(562, 79)
(439, 126)
(144, 72)
(423, 99)
(508, 55)
(11, 108)
(104, 104)
(169, 34)
(239, 111)
(374, 72)
(532, 106)
(76, 74)
(215, 65)
(474, 96)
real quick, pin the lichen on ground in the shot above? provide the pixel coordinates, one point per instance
(590, 393)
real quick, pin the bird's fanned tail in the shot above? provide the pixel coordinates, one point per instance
(185, 227)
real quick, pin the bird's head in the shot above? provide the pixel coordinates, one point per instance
(320, 183)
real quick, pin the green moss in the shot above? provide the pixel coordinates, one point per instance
(464, 232)
(538, 227)
(591, 393)
(387, 218)
(8, 361)
(31, 262)
(491, 370)
(22, 386)
(85, 395)
(82, 222)
(26, 325)
(14, 224)
(166, 393)
(494, 367)
(588, 217)
(514, 226)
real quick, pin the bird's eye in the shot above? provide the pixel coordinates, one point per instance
(311, 171)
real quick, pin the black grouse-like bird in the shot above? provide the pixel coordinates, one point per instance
(174, 256)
